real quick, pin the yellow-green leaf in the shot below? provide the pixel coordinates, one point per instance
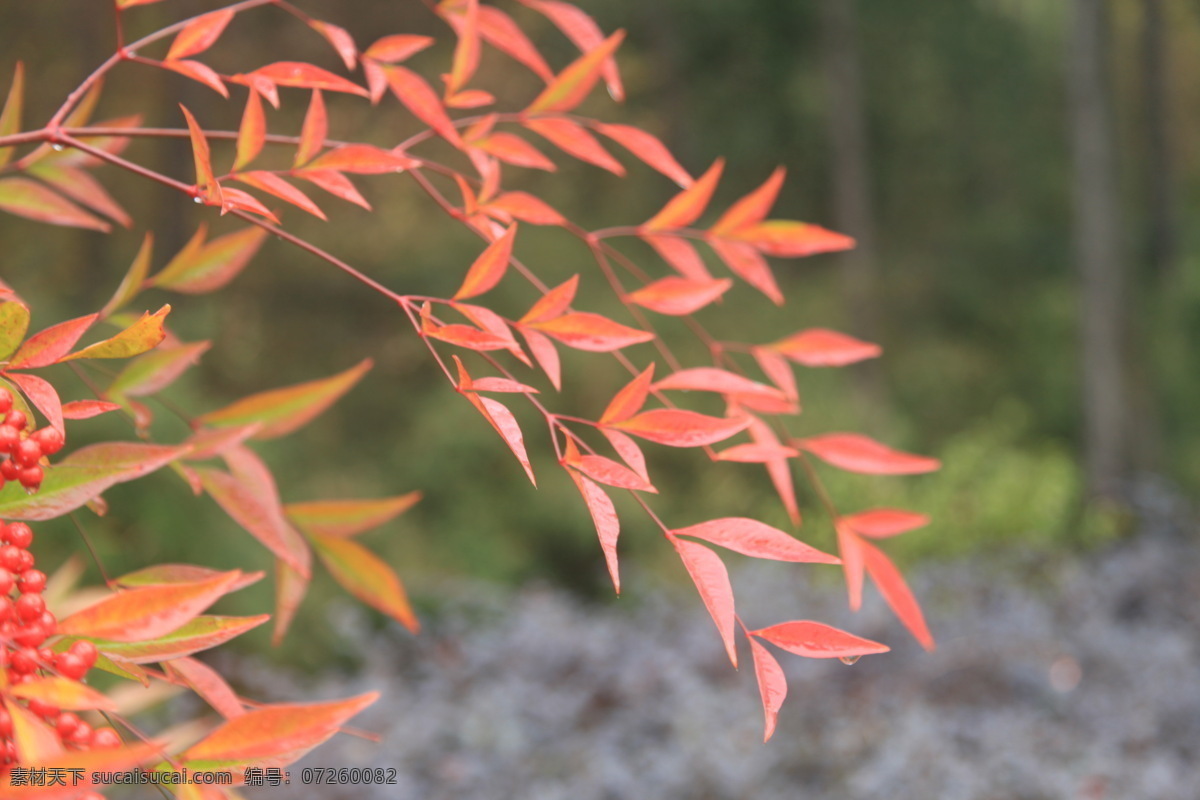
(573, 83)
(64, 693)
(143, 335)
(14, 323)
(10, 117)
(202, 633)
(200, 267)
(341, 518)
(365, 575)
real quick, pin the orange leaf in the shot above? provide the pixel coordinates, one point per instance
(524, 207)
(84, 764)
(712, 581)
(79, 185)
(857, 453)
(772, 685)
(273, 184)
(512, 149)
(466, 50)
(200, 34)
(553, 303)
(340, 38)
(606, 471)
(790, 239)
(199, 634)
(649, 149)
(897, 594)
(252, 132)
(348, 517)
(684, 208)
(604, 517)
(363, 159)
(679, 428)
(199, 72)
(336, 184)
(86, 409)
(237, 200)
(367, 577)
(261, 516)
(752, 208)
(283, 410)
(200, 267)
(711, 379)
(467, 336)
(749, 265)
(10, 117)
(545, 354)
(587, 331)
(148, 612)
(160, 574)
(680, 254)
(574, 83)
(64, 693)
(314, 130)
(881, 523)
(817, 640)
(274, 735)
(753, 538)
(32, 200)
(500, 31)
(290, 588)
(489, 268)
(145, 334)
(630, 399)
(412, 90)
(583, 31)
(679, 296)
(306, 76)
(573, 139)
(393, 49)
(50, 345)
(36, 742)
(205, 181)
(821, 347)
(208, 683)
(155, 371)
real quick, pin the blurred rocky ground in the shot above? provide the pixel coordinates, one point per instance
(1055, 677)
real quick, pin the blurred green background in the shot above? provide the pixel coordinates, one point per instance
(964, 177)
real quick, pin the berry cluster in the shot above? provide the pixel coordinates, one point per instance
(25, 625)
(24, 449)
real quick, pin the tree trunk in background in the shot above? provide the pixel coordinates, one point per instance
(1099, 252)
(1160, 193)
(852, 207)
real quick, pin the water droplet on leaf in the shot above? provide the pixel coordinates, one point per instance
(849, 659)
(57, 147)
(197, 199)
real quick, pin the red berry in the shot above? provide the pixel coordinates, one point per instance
(6, 582)
(50, 438)
(30, 607)
(42, 708)
(66, 724)
(49, 623)
(86, 651)
(24, 661)
(6, 401)
(10, 558)
(10, 437)
(70, 666)
(16, 418)
(24, 560)
(6, 726)
(28, 453)
(31, 581)
(82, 733)
(105, 739)
(19, 535)
(31, 477)
(9, 470)
(30, 635)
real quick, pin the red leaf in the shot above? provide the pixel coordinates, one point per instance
(680, 254)
(574, 140)
(592, 332)
(749, 265)
(340, 38)
(367, 577)
(202, 633)
(200, 34)
(261, 516)
(86, 409)
(335, 183)
(512, 149)
(489, 268)
(202, 73)
(712, 581)
(553, 303)
(237, 200)
(314, 130)
(274, 735)
(779, 469)
(35, 742)
(494, 324)
(711, 379)
(756, 453)
(628, 450)
(850, 547)
(897, 594)
(583, 31)
(679, 428)
(208, 683)
(506, 425)
(79, 185)
(306, 76)
(545, 354)
(271, 183)
(462, 17)
(412, 90)
(161, 574)
(857, 453)
(816, 640)
(148, 612)
(772, 686)
(752, 208)
(467, 336)
(348, 517)
(790, 239)
(252, 132)
(649, 149)
(753, 538)
(32, 200)
(363, 159)
(679, 296)
(574, 83)
(155, 371)
(630, 399)
(604, 517)
(525, 207)
(48, 346)
(290, 588)
(41, 393)
(821, 347)
(778, 370)
(880, 523)
(200, 268)
(686, 207)
(498, 29)
(210, 189)
(609, 472)
(393, 49)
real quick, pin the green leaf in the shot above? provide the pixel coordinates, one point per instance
(202, 633)
(284, 410)
(14, 322)
(82, 476)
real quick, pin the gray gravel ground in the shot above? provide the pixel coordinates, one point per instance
(1077, 679)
